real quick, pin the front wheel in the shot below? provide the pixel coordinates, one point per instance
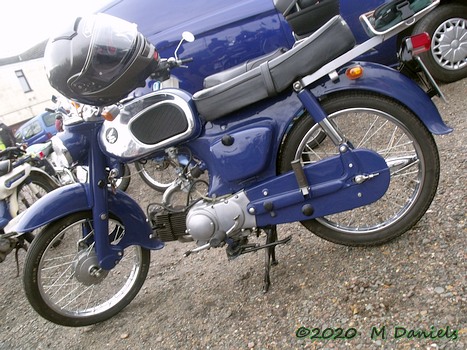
(378, 123)
(62, 278)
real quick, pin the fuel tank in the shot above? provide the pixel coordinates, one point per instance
(150, 123)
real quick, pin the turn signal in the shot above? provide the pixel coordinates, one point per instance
(108, 116)
(354, 72)
(75, 104)
(111, 113)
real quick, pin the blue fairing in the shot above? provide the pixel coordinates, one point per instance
(72, 199)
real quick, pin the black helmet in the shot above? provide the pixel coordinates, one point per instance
(99, 60)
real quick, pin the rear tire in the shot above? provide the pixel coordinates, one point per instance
(378, 123)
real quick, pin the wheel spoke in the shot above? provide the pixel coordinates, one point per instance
(70, 287)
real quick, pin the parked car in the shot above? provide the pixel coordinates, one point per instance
(231, 32)
(38, 129)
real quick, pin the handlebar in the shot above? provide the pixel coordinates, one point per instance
(186, 60)
(162, 72)
(12, 152)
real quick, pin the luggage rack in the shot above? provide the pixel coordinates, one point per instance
(376, 38)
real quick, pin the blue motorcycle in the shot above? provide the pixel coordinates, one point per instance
(346, 148)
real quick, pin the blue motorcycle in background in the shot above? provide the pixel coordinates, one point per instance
(307, 135)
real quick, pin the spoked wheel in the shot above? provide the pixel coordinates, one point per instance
(37, 186)
(377, 123)
(159, 174)
(63, 281)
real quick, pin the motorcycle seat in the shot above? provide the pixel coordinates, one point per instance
(230, 73)
(277, 74)
(5, 167)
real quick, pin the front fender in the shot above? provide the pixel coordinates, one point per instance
(389, 82)
(73, 198)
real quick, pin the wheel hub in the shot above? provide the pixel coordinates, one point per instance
(87, 270)
(449, 46)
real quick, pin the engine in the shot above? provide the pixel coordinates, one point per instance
(206, 221)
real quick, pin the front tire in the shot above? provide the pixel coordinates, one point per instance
(62, 279)
(380, 124)
(447, 26)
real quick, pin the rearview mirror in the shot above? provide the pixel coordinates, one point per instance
(186, 36)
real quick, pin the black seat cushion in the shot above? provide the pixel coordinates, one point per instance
(230, 73)
(274, 76)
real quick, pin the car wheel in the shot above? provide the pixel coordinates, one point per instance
(447, 26)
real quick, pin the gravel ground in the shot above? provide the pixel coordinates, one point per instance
(417, 282)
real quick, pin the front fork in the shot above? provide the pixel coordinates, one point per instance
(108, 255)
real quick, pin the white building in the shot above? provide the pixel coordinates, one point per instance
(24, 88)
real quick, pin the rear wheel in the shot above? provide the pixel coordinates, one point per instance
(377, 123)
(62, 278)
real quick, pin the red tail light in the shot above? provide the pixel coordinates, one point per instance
(420, 43)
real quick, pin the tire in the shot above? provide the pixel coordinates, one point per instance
(124, 181)
(37, 186)
(80, 174)
(447, 26)
(378, 123)
(57, 277)
(157, 174)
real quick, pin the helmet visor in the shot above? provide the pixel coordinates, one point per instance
(111, 52)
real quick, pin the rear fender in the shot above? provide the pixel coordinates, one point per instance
(389, 82)
(74, 198)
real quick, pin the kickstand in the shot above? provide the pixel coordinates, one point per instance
(17, 248)
(270, 256)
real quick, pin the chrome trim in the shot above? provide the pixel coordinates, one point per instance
(126, 145)
(367, 18)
